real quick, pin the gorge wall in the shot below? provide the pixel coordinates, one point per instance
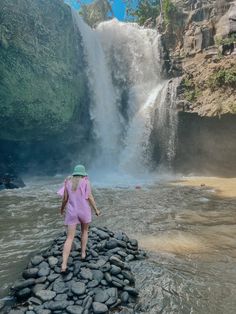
(43, 98)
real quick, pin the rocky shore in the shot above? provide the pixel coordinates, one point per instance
(102, 283)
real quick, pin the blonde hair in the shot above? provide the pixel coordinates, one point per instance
(75, 181)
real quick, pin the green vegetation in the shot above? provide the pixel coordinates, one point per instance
(223, 78)
(168, 10)
(145, 10)
(191, 92)
(42, 83)
(225, 41)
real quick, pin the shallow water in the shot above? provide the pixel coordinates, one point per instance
(189, 232)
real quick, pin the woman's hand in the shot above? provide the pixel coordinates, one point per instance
(97, 212)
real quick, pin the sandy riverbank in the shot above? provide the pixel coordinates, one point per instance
(225, 187)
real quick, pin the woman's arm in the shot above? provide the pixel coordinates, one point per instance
(64, 201)
(92, 201)
(93, 204)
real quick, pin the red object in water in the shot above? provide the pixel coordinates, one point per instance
(138, 187)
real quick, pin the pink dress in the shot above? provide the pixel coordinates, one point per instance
(78, 209)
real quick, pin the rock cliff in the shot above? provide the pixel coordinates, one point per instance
(201, 50)
(42, 82)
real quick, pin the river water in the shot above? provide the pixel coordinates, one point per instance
(189, 233)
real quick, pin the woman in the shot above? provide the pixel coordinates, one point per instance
(78, 198)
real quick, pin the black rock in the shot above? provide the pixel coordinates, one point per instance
(52, 277)
(102, 235)
(78, 288)
(41, 280)
(115, 270)
(23, 284)
(61, 297)
(74, 309)
(128, 275)
(87, 302)
(99, 308)
(34, 301)
(24, 293)
(93, 284)
(131, 290)
(30, 273)
(111, 301)
(45, 295)
(111, 244)
(59, 286)
(43, 264)
(52, 261)
(57, 305)
(101, 296)
(86, 273)
(124, 297)
(108, 277)
(116, 261)
(97, 275)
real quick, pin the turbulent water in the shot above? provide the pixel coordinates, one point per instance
(189, 232)
(124, 71)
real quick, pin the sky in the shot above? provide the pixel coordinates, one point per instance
(118, 8)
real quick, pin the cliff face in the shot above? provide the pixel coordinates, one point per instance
(201, 50)
(42, 83)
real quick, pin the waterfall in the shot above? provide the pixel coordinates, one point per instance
(167, 122)
(124, 73)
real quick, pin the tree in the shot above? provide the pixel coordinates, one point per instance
(142, 10)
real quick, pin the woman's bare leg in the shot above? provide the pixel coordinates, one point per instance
(67, 246)
(84, 239)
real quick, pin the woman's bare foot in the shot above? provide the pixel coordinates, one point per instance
(63, 268)
(83, 255)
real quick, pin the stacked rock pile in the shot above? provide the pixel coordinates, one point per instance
(102, 283)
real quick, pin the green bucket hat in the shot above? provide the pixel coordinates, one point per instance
(79, 170)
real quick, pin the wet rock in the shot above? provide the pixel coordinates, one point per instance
(39, 287)
(43, 272)
(40, 280)
(102, 282)
(97, 275)
(34, 301)
(36, 260)
(131, 290)
(52, 261)
(99, 308)
(23, 284)
(108, 277)
(43, 264)
(52, 277)
(93, 284)
(59, 287)
(86, 273)
(124, 297)
(30, 273)
(57, 305)
(78, 288)
(115, 270)
(102, 235)
(61, 297)
(74, 309)
(128, 275)
(117, 262)
(16, 311)
(45, 295)
(24, 293)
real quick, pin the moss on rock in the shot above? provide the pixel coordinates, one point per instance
(42, 83)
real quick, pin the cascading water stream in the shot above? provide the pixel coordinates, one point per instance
(124, 74)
